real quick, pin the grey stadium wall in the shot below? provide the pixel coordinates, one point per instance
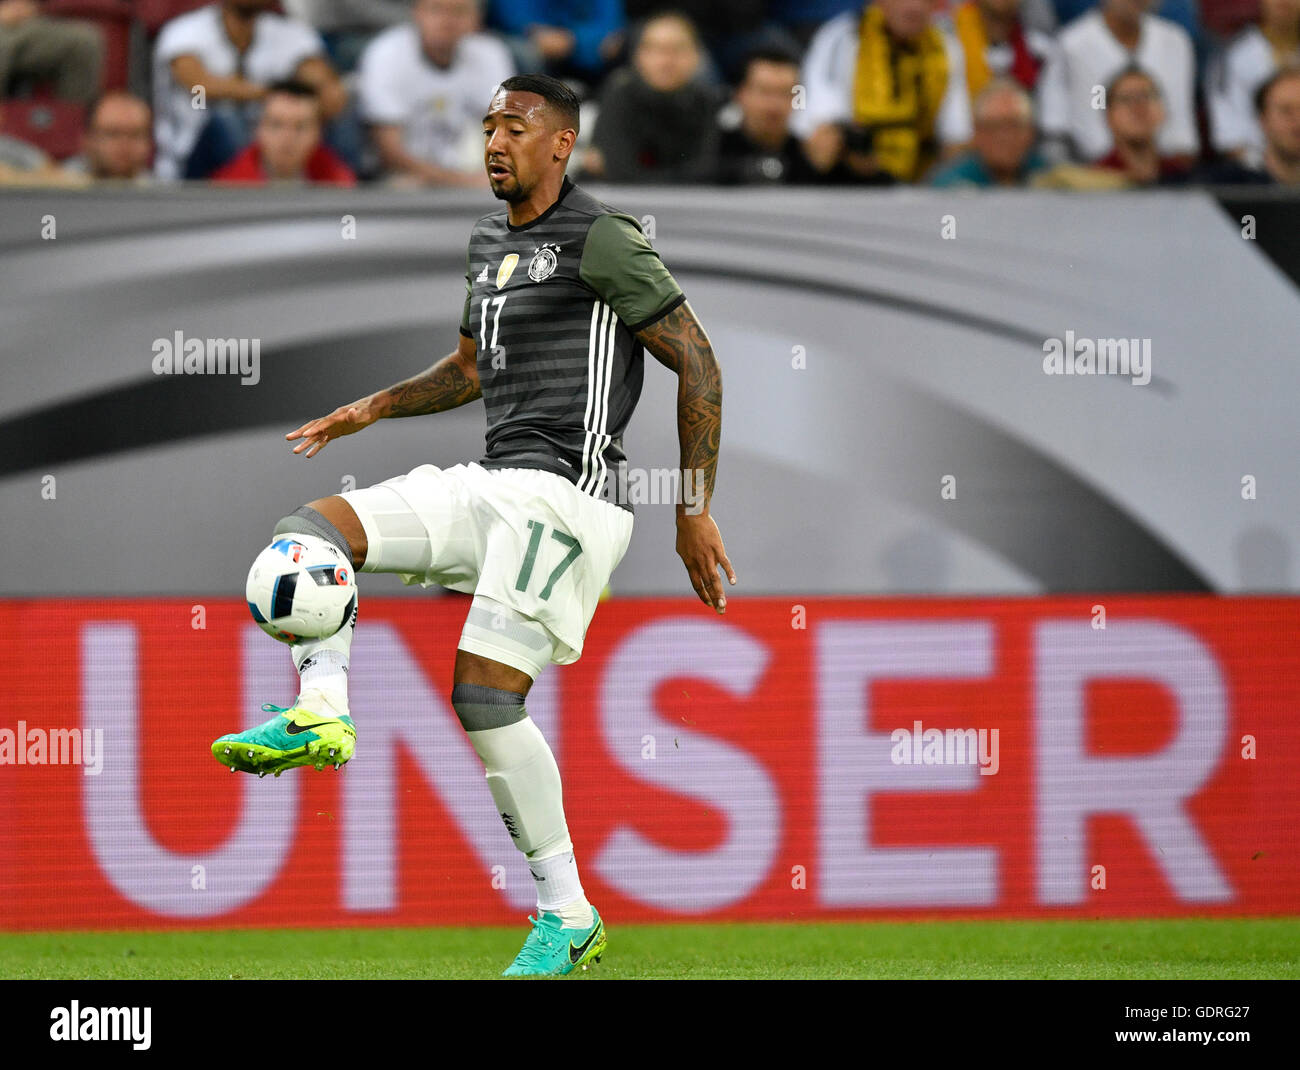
(873, 344)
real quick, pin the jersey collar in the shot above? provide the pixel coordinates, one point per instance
(564, 192)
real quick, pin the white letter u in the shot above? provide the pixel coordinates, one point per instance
(149, 875)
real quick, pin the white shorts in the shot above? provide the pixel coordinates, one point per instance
(532, 549)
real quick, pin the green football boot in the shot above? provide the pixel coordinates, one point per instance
(554, 951)
(294, 736)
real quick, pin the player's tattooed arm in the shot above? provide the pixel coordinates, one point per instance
(679, 343)
(452, 382)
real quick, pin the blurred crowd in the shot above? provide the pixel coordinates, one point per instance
(1075, 94)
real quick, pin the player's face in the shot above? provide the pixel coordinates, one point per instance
(519, 144)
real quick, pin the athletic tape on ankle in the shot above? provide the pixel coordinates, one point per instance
(480, 708)
(308, 521)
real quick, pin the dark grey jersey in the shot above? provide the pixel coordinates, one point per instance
(553, 306)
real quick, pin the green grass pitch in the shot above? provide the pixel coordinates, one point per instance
(1182, 949)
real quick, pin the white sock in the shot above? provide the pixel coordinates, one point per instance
(323, 671)
(559, 890)
(525, 785)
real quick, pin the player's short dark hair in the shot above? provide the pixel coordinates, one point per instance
(1282, 74)
(781, 56)
(558, 96)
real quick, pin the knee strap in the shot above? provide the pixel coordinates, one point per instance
(480, 708)
(309, 521)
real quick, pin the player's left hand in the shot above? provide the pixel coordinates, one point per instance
(699, 545)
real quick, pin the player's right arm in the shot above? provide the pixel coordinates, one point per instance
(448, 384)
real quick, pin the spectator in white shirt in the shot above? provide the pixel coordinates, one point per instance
(1092, 50)
(424, 87)
(211, 69)
(1249, 61)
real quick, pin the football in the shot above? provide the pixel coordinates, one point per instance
(300, 587)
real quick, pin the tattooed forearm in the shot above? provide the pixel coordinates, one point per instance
(679, 343)
(444, 386)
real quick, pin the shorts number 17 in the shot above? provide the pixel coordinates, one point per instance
(530, 558)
